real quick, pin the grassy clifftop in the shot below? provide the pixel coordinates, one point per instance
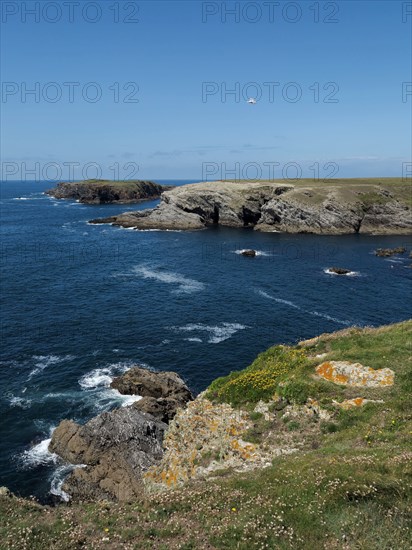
(347, 486)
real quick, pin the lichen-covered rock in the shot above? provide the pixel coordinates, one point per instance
(355, 403)
(202, 439)
(355, 374)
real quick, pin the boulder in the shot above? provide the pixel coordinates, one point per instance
(113, 449)
(354, 374)
(163, 392)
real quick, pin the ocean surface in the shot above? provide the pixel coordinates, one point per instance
(82, 303)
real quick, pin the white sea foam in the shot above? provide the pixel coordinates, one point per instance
(216, 334)
(44, 361)
(194, 339)
(162, 230)
(329, 318)
(21, 402)
(96, 386)
(58, 477)
(400, 261)
(96, 378)
(295, 306)
(39, 454)
(184, 284)
(279, 300)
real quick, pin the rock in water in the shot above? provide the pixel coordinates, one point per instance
(163, 392)
(339, 270)
(385, 252)
(249, 253)
(106, 191)
(114, 449)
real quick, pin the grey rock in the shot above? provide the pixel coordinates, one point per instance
(163, 392)
(115, 449)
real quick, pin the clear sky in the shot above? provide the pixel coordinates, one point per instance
(329, 79)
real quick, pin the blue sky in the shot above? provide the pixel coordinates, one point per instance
(176, 130)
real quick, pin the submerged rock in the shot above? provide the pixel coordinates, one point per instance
(386, 252)
(114, 449)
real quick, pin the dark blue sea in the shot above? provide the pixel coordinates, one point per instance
(82, 303)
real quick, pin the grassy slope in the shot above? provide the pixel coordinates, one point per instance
(351, 490)
(365, 189)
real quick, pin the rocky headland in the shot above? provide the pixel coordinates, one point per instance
(107, 191)
(113, 450)
(369, 206)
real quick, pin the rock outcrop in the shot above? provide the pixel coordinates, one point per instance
(355, 374)
(336, 207)
(114, 449)
(106, 191)
(163, 392)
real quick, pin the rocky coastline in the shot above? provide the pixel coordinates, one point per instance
(107, 191)
(113, 450)
(370, 206)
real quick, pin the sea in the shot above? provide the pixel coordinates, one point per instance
(81, 304)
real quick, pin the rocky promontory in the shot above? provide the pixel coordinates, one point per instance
(107, 191)
(370, 206)
(113, 450)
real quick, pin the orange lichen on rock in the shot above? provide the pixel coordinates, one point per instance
(354, 374)
(356, 402)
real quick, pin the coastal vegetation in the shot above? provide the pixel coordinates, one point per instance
(347, 485)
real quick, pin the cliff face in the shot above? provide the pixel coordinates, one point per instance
(105, 191)
(336, 207)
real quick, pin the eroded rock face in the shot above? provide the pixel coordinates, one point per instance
(163, 392)
(115, 449)
(355, 374)
(105, 191)
(352, 206)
